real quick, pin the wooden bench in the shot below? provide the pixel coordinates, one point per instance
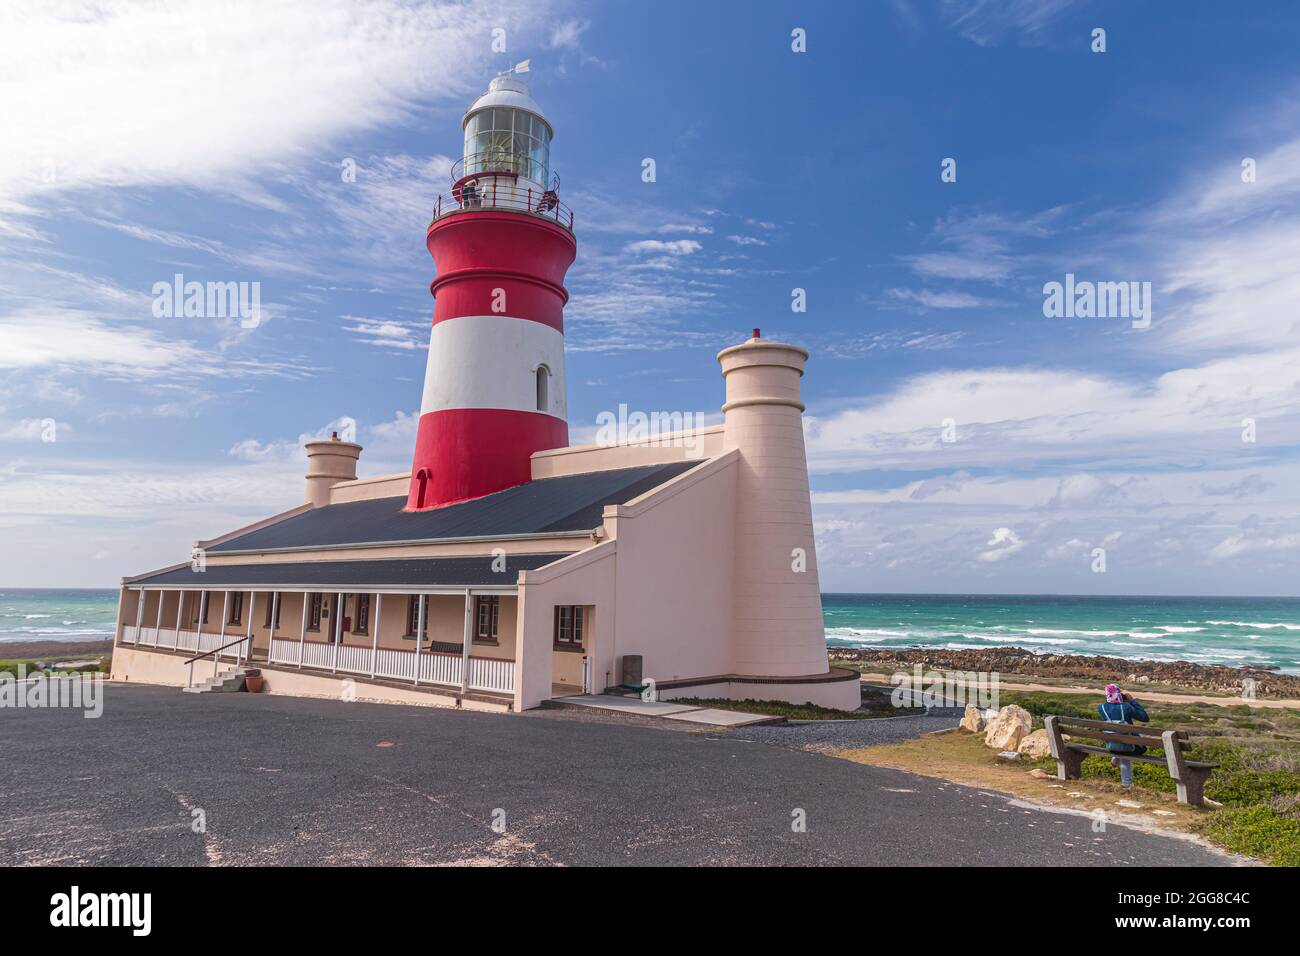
(1190, 775)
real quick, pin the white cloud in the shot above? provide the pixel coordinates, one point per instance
(31, 338)
(59, 339)
(193, 93)
(388, 334)
(568, 33)
(988, 22)
(1236, 545)
(34, 430)
(950, 265)
(1004, 543)
(937, 299)
(673, 247)
(686, 227)
(1011, 417)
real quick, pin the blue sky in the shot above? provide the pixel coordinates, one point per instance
(146, 140)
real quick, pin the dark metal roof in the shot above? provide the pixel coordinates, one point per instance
(567, 503)
(403, 572)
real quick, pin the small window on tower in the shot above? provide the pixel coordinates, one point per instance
(543, 388)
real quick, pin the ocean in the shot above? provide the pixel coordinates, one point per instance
(56, 615)
(1234, 631)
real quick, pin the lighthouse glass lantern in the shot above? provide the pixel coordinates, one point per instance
(507, 157)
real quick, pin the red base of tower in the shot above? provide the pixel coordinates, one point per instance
(464, 453)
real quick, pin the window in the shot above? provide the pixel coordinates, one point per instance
(236, 607)
(543, 388)
(568, 627)
(413, 616)
(201, 608)
(362, 623)
(487, 617)
(272, 603)
(313, 612)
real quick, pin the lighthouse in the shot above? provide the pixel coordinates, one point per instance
(501, 241)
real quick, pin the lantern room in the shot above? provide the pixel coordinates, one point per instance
(506, 132)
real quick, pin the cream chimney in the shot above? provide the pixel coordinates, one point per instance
(328, 462)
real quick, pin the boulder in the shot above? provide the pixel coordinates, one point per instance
(972, 720)
(1035, 745)
(1005, 731)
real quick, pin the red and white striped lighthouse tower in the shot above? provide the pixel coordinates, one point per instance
(502, 242)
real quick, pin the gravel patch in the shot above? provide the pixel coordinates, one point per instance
(849, 734)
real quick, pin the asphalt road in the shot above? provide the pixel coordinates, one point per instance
(291, 781)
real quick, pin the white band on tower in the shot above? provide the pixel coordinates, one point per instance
(491, 361)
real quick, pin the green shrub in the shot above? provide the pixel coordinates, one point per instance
(1257, 830)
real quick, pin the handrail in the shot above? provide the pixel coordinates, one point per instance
(527, 200)
(216, 659)
(215, 650)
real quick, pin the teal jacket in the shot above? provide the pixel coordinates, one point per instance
(1125, 713)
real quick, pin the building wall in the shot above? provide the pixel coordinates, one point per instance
(697, 444)
(675, 564)
(587, 579)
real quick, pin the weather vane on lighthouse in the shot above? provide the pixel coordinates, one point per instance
(501, 241)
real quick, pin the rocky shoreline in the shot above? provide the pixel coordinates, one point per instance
(1186, 675)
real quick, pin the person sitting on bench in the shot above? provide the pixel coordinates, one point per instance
(1121, 708)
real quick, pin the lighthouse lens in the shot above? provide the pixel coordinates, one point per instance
(508, 140)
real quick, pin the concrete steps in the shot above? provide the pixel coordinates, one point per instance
(226, 682)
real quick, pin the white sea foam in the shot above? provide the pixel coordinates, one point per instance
(1262, 625)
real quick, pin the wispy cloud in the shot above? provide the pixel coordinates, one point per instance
(119, 81)
(989, 22)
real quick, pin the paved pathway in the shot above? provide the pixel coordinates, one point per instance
(667, 710)
(292, 781)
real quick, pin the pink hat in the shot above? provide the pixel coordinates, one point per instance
(1113, 694)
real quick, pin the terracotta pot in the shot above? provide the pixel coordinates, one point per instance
(253, 683)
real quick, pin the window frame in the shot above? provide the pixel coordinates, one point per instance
(542, 383)
(491, 603)
(569, 636)
(360, 626)
(236, 607)
(272, 603)
(315, 605)
(413, 618)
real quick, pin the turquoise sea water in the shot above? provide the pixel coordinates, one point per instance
(56, 615)
(1234, 631)
(1261, 631)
